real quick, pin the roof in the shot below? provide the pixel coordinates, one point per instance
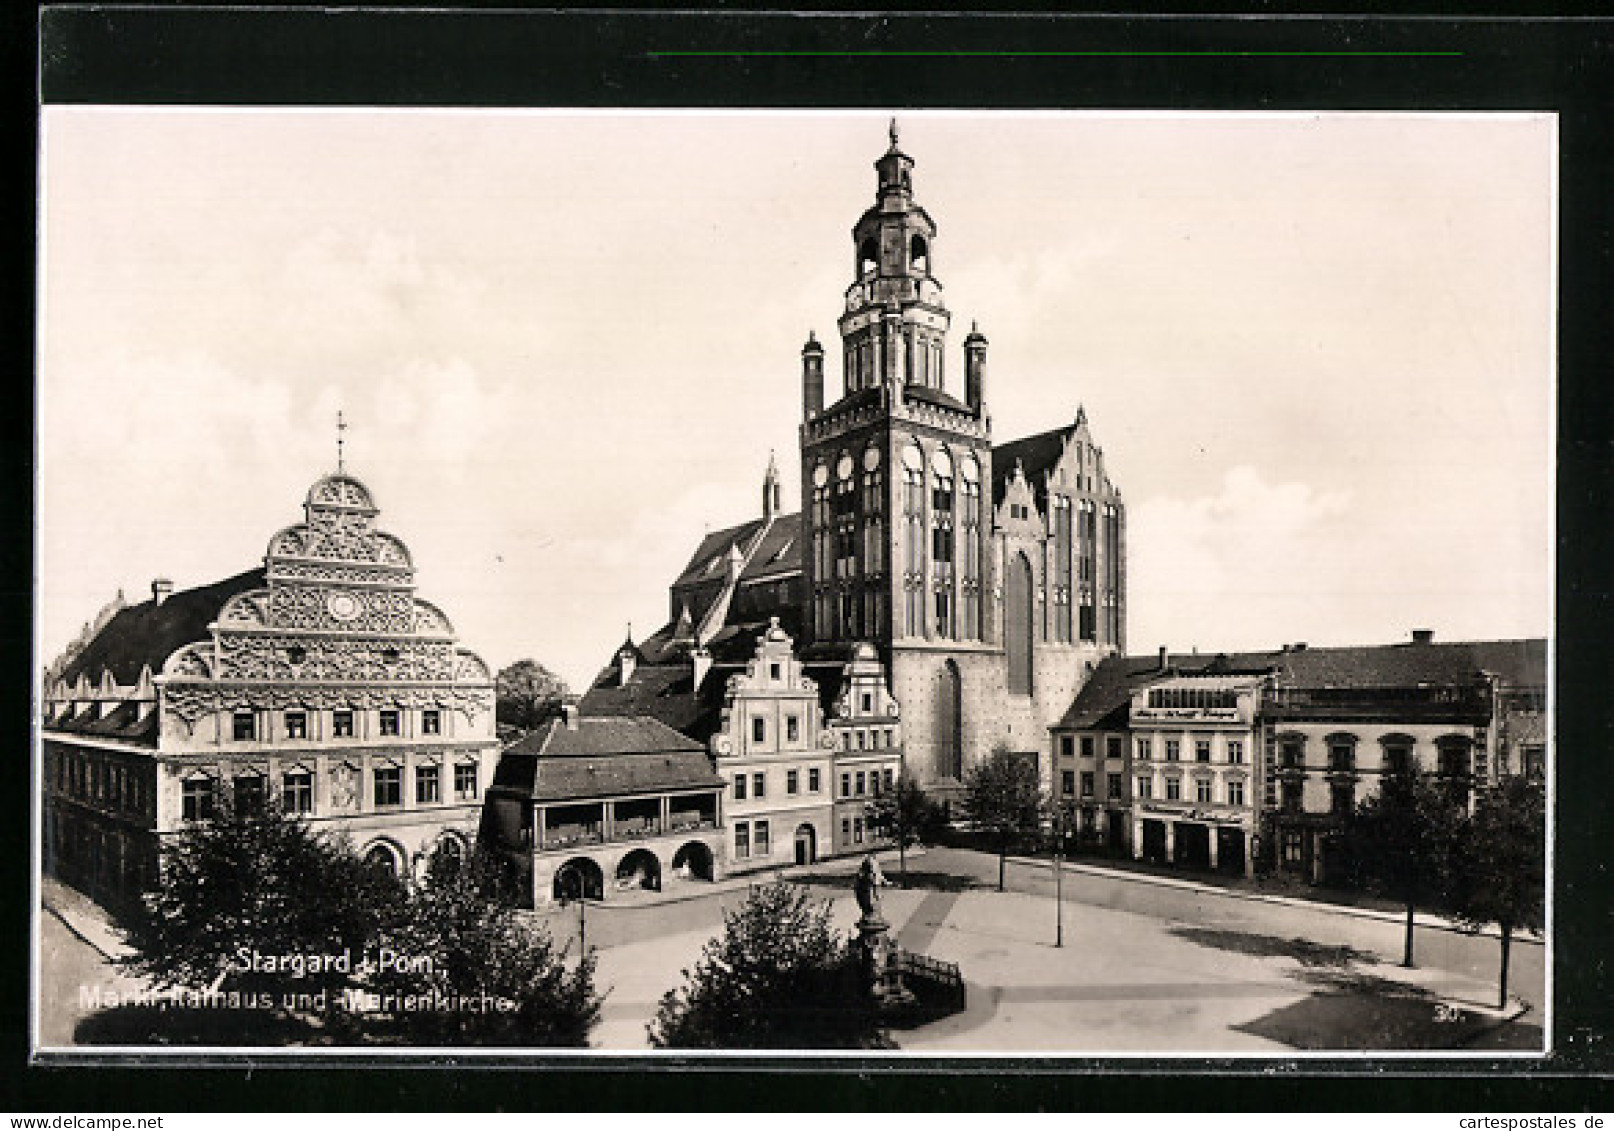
(122, 722)
(1036, 454)
(779, 554)
(714, 546)
(1517, 662)
(596, 736)
(147, 634)
(603, 757)
(1103, 700)
(936, 397)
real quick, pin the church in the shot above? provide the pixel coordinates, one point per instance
(990, 578)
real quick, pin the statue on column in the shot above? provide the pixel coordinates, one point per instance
(866, 887)
(882, 970)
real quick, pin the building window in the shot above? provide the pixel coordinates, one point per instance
(1067, 746)
(1145, 787)
(388, 781)
(1340, 798)
(857, 830)
(1235, 793)
(1293, 847)
(428, 785)
(1143, 749)
(431, 722)
(1235, 751)
(862, 740)
(296, 724)
(388, 724)
(1067, 782)
(197, 799)
(739, 787)
(812, 781)
(1294, 753)
(1173, 749)
(846, 785)
(1173, 789)
(1087, 783)
(341, 724)
(846, 830)
(249, 794)
(759, 730)
(1113, 787)
(1112, 747)
(297, 791)
(773, 672)
(887, 775)
(1342, 754)
(1202, 750)
(465, 783)
(742, 840)
(1292, 797)
(862, 784)
(792, 781)
(1398, 756)
(1533, 761)
(1202, 790)
(243, 726)
(759, 785)
(1088, 745)
(760, 835)
(792, 728)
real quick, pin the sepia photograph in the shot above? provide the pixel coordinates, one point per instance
(904, 583)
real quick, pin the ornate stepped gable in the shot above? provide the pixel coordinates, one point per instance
(338, 625)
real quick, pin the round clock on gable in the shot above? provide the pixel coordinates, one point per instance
(343, 606)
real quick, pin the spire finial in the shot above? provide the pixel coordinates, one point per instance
(893, 133)
(341, 427)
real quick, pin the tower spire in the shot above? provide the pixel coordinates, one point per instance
(893, 134)
(341, 427)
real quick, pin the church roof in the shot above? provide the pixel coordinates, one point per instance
(1036, 454)
(779, 555)
(707, 563)
(147, 634)
(936, 397)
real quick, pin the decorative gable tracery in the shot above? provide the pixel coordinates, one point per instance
(337, 626)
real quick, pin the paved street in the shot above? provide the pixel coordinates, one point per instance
(1145, 966)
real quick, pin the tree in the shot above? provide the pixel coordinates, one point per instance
(238, 892)
(904, 814)
(1004, 798)
(1501, 871)
(528, 694)
(461, 942)
(777, 977)
(1400, 842)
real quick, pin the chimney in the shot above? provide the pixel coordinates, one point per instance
(1299, 646)
(812, 377)
(703, 664)
(1423, 636)
(160, 589)
(975, 368)
(568, 711)
(1163, 662)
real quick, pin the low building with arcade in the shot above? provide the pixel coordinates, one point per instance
(318, 681)
(599, 807)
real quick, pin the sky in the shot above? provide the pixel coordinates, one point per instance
(1316, 349)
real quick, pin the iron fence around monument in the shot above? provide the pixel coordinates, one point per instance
(937, 987)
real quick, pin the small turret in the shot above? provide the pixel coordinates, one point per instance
(812, 377)
(770, 489)
(975, 369)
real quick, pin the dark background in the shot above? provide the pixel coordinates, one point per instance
(1515, 60)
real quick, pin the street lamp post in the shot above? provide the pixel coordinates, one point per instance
(1059, 877)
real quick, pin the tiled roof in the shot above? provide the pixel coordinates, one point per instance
(1518, 662)
(624, 735)
(1036, 454)
(148, 633)
(1103, 700)
(779, 555)
(713, 547)
(123, 722)
(603, 757)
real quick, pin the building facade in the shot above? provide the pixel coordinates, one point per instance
(319, 681)
(779, 759)
(866, 731)
(600, 807)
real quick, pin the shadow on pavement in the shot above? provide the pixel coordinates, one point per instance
(1303, 951)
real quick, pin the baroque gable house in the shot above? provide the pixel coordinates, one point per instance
(319, 681)
(989, 579)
